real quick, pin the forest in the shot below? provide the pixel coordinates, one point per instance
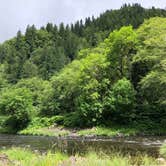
(105, 71)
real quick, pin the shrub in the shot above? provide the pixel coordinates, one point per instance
(39, 122)
(17, 105)
(38, 88)
(151, 116)
(74, 119)
(153, 87)
(120, 102)
(90, 110)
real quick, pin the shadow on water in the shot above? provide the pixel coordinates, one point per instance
(73, 145)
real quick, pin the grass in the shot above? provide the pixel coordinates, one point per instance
(116, 160)
(45, 132)
(104, 131)
(163, 150)
(42, 127)
(95, 131)
(92, 159)
(26, 157)
(46, 127)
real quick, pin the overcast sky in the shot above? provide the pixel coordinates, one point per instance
(17, 14)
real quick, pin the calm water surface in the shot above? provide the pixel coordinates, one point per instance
(71, 145)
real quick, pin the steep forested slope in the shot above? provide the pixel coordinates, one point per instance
(81, 79)
(45, 51)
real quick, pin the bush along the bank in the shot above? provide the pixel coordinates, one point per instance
(16, 104)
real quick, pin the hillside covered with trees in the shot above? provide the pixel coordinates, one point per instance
(103, 71)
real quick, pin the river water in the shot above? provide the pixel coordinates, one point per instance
(72, 145)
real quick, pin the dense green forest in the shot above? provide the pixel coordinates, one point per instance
(109, 70)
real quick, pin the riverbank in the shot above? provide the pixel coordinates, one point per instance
(75, 132)
(116, 131)
(26, 157)
(54, 127)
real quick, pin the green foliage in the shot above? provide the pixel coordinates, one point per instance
(46, 50)
(163, 150)
(13, 65)
(29, 70)
(121, 46)
(151, 48)
(153, 88)
(120, 102)
(78, 86)
(72, 71)
(74, 119)
(153, 85)
(105, 131)
(80, 77)
(48, 60)
(38, 88)
(150, 118)
(20, 154)
(39, 122)
(3, 81)
(45, 126)
(93, 88)
(26, 157)
(148, 75)
(17, 105)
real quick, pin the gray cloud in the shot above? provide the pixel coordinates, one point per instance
(17, 14)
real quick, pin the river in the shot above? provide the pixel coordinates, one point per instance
(72, 145)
